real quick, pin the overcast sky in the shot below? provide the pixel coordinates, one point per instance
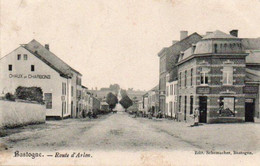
(117, 41)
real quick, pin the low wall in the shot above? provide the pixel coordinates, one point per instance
(14, 114)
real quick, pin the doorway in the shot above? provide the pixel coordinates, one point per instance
(249, 110)
(203, 109)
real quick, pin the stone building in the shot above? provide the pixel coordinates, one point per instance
(213, 75)
(171, 98)
(168, 59)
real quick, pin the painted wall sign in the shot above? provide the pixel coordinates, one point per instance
(30, 76)
(203, 90)
(251, 89)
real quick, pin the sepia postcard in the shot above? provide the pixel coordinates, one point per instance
(130, 82)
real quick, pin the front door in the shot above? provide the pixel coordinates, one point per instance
(249, 110)
(203, 109)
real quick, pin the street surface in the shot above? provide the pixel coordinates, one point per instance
(122, 131)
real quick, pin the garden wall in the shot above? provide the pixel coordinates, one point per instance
(14, 114)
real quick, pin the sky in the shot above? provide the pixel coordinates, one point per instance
(117, 41)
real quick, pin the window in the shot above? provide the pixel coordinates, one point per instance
(171, 90)
(191, 104)
(10, 67)
(32, 68)
(180, 79)
(227, 106)
(185, 81)
(63, 88)
(179, 103)
(215, 48)
(72, 91)
(228, 75)
(25, 57)
(191, 75)
(48, 100)
(18, 56)
(204, 76)
(167, 91)
(175, 89)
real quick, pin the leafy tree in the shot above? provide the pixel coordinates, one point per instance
(29, 93)
(126, 102)
(111, 100)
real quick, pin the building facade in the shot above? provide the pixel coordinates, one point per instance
(35, 65)
(171, 98)
(168, 60)
(212, 77)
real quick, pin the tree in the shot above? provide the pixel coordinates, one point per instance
(111, 100)
(126, 102)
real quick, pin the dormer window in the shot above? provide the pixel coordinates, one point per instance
(215, 48)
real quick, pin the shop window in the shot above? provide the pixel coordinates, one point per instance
(18, 57)
(25, 57)
(228, 75)
(48, 100)
(204, 76)
(227, 106)
(10, 67)
(32, 68)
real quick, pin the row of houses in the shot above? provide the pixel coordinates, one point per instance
(217, 73)
(34, 65)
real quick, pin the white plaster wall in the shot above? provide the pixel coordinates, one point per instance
(20, 113)
(23, 67)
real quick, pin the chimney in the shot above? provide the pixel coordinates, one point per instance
(208, 33)
(183, 34)
(47, 46)
(234, 32)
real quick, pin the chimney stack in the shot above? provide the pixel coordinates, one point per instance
(208, 33)
(47, 46)
(183, 34)
(234, 32)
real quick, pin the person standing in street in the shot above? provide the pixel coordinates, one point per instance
(196, 116)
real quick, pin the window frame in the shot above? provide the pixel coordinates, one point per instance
(32, 68)
(10, 67)
(229, 75)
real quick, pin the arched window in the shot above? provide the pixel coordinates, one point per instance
(215, 48)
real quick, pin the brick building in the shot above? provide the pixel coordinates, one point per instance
(168, 59)
(213, 76)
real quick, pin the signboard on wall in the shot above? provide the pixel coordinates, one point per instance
(251, 89)
(30, 76)
(203, 90)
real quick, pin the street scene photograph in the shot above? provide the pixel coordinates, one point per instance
(151, 82)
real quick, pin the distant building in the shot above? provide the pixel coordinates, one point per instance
(171, 98)
(33, 64)
(153, 99)
(168, 60)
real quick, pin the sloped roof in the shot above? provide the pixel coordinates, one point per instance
(252, 75)
(219, 35)
(253, 57)
(49, 58)
(251, 43)
(155, 88)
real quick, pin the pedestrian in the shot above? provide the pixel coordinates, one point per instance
(196, 117)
